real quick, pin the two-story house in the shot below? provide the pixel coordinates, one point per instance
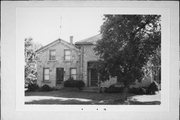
(88, 68)
(56, 62)
(60, 60)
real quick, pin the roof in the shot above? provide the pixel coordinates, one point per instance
(90, 40)
(54, 43)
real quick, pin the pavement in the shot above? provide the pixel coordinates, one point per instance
(147, 98)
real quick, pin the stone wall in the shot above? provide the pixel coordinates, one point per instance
(87, 55)
(44, 62)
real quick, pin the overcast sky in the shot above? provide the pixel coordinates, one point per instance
(45, 25)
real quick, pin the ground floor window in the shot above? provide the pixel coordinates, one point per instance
(46, 74)
(73, 73)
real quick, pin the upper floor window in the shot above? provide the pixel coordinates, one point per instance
(52, 55)
(67, 55)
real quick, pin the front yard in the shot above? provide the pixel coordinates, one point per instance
(81, 97)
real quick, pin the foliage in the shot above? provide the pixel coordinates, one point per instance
(30, 61)
(46, 88)
(32, 87)
(138, 91)
(70, 78)
(74, 83)
(152, 88)
(155, 59)
(128, 42)
(113, 89)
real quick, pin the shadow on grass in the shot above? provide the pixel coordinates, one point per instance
(70, 97)
(70, 102)
(106, 102)
(78, 94)
(56, 101)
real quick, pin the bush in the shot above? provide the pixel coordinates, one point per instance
(46, 88)
(32, 87)
(74, 83)
(137, 91)
(113, 89)
(153, 87)
(80, 84)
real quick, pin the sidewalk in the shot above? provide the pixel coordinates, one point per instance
(146, 98)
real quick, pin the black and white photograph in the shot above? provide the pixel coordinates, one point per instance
(80, 57)
(89, 60)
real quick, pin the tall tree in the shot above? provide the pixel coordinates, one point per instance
(128, 42)
(30, 61)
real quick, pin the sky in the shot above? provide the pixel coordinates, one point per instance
(46, 24)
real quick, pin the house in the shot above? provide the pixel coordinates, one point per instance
(88, 58)
(90, 74)
(56, 62)
(60, 60)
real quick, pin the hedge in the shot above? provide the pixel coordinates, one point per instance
(74, 83)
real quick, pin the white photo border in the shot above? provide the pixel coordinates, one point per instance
(12, 86)
(165, 23)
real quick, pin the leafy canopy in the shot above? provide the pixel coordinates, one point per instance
(127, 43)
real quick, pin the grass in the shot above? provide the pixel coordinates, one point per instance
(72, 97)
(65, 96)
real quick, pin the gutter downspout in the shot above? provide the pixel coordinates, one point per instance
(82, 62)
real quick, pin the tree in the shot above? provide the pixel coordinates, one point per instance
(30, 61)
(154, 64)
(128, 42)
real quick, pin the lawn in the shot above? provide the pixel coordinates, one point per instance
(79, 97)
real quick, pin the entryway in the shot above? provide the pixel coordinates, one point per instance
(92, 75)
(59, 75)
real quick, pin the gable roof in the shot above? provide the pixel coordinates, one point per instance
(55, 43)
(89, 41)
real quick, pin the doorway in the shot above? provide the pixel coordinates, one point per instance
(59, 75)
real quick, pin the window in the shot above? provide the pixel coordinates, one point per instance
(52, 55)
(46, 74)
(67, 55)
(73, 72)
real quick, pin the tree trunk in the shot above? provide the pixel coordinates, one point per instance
(125, 92)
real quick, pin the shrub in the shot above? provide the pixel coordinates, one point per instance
(153, 87)
(113, 89)
(32, 87)
(74, 83)
(137, 91)
(70, 78)
(80, 84)
(46, 88)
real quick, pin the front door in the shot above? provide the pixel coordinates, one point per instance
(59, 75)
(93, 77)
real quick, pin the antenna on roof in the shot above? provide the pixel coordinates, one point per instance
(60, 24)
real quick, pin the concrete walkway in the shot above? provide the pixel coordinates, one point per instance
(146, 98)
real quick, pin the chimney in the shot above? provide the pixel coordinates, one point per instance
(71, 39)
